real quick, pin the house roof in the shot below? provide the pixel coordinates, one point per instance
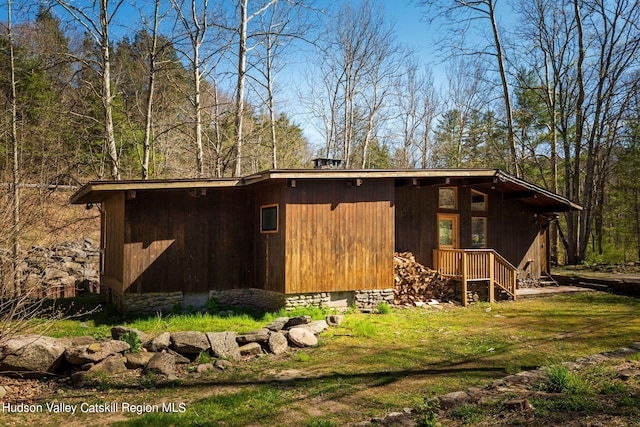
(509, 186)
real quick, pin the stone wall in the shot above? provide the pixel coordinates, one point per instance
(163, 302)
(62, 270)
(369, 299)
(321, 300)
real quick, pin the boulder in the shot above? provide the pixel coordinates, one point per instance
(189, 342)
(159, 343)
(251, 349)
(335, 319)
(278, 344)
(455, 398)
(301, 337)
(162, 363)
(138, 360)
(31, 355)
(95, 352)
(67, 342)
(111, 365)
(316, 326)
(180, 359)
(277, 324)
(204, 367)
(295, 321)
(260, 335)
(224, 345)
(118, 331)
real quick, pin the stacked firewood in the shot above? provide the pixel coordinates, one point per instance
(415, 283)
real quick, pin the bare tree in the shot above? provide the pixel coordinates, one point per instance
(463, 14)
(286, 21)
(358, 64)
(15, 164)
(243, 20)
(195, 24)
(96, 19)
(417, 107)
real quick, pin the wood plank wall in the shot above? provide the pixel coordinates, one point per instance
(339, 237)
(112, 242)
(512, 229)
(269, 247)
(175, 240)
(517, 234)
(416, 221)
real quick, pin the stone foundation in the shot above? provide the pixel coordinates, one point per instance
(321, 300)
(259, 299)
(252, 297)
(369, 299)
(163, 302)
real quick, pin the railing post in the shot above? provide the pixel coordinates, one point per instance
(465, 301)
(492, 277)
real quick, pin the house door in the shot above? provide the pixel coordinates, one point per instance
(448, 231)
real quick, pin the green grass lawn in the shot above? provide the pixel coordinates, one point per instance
(370, 365)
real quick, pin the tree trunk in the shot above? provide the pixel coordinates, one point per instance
(15, 167)
(505, 93)
(107, 98)
(242, 70)
(146, 149)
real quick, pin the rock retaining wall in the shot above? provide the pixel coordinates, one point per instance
(80, 357)
(62, 270)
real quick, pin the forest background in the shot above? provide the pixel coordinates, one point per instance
(547, 90)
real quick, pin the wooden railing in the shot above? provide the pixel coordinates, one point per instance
(476, 265)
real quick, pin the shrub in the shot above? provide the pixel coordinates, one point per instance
(384, 308)
(428, 414)
(468, 414)
(561, 380)
(133, 340)
(212, 306)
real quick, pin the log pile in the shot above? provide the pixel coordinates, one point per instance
(415, 283)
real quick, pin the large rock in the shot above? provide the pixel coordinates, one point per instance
(316, 326)
(31, 355)
(295, 321)
(138, 360)
(163, 364)
(224, 345)
(335, 319)
(251, 349)
(96, 352)
(260, 335)
(111, 365)
(68, 342)
(277, 324)
(189, 342)
(159, 343)
(301, 337)
(278, 344)
(118, 332)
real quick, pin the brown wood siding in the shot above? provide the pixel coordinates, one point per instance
(112, 242)
(516, 234)
(269, 248)
(416, 221)
(339, 238)
(512, 229)
(176, 241)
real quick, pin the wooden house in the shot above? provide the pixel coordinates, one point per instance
(316, 236)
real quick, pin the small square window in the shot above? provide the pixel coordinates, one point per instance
(269, 219)
(448, 198)
(478, 201)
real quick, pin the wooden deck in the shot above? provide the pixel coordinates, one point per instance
(470, 265)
